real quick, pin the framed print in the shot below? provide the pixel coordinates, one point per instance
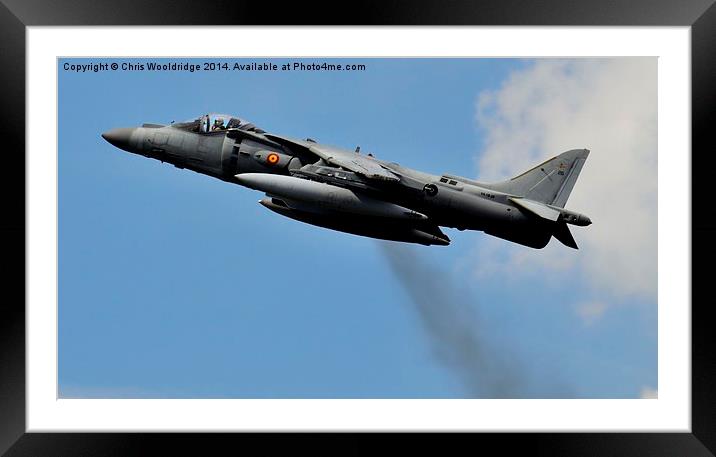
(159, 297)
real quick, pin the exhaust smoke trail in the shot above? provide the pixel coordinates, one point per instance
(446, 313)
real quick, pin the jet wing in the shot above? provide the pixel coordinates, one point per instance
(240, 133)
(363, 165)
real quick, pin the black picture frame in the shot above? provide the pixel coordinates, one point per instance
(16, 15)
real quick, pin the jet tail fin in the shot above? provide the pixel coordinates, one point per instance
(550, 182)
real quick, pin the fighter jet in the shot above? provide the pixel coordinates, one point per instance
(344, 190)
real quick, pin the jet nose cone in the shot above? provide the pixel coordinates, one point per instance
(119, 138)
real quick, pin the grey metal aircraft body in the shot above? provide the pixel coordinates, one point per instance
(358, 193)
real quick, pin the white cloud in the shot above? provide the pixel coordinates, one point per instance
(591, 312)
(648, 392)
(608, 106)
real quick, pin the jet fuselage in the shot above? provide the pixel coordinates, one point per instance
(356, 193)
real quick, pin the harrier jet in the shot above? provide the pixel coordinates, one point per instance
(345, 190)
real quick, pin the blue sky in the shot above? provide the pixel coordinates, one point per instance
(176, 285)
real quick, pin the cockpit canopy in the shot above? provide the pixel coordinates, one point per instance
(213, 122)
